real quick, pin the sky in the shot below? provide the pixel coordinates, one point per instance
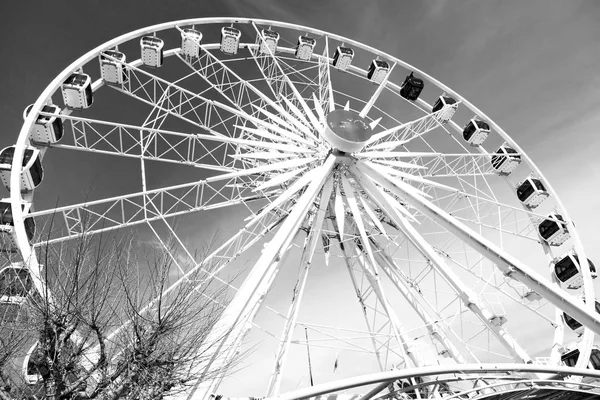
(530, 66)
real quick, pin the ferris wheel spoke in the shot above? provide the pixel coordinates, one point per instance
(198, 150)
(310, 245)
(363, 113)
(364, 258)
(225, 338)
(466, 295)
(241, 93)
(402, 134)
(505, 262)
(211, 265)
(438, 164)
(210, 115)
(326, 98)
(287, 88)
(122, 211)
(435, 324)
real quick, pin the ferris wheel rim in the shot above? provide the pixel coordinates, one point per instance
(27, 252)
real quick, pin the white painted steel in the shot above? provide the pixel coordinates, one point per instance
(305, 123)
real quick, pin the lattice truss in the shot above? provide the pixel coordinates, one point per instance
(251, 126)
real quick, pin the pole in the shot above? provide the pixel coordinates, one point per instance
(308, 351)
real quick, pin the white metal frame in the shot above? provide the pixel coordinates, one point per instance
(171, 98)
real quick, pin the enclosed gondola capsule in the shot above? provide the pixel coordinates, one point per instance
(230, 40)
(553, 230)
(7, 226)
(378, 70)
(46, 129)
(570, 357)
(15, 286)
(112, 67)
(77, 91)
(30, 371)
(446, 106)
(575, 325)
(532, 192)
(191, 40)
(411, 87)
(269, 41)
(476, 131)
(152, 51)
(343, 57)
(32, 172)
(305, 48)
(568, 271)
(505, 160)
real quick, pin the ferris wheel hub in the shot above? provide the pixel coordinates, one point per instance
(347, 131)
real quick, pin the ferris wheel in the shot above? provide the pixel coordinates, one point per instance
(382, 229)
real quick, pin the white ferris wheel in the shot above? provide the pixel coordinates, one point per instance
(387, 226)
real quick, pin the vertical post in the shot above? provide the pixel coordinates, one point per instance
(308, 351)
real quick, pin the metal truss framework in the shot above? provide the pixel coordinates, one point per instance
(401, 210)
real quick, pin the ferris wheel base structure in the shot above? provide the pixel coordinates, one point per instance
(510, 382)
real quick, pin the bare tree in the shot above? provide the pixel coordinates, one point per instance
(104, 328)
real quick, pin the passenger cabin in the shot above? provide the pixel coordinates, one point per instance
(378, 70)
(476, 131)
(304, 49)
(568, 271)
(152, 49)
(505, 160)
(230, 40)
(30, 372)
(412, 87)
(570, 358)
(112, 67)
(343, 58)
(532, 192)
(46, 129)
(575, 325)
(191, 40)
(15, 286)
(553, 230)
(269, 41)
(77, 91)
(7, 227)
(446, 106)
(32, 172)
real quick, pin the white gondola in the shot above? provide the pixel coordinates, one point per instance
(568, 271)
(343, 58)
(575, 325)
(306, 46)
(570, 357)
(47, 129)
(152, 51)
(476, 131)
(412, 87)
(378, 70)
(446, 106)
(7, 228)
(32, 172)
(15, 286)
(230, 40)
(553, 230)
(269, 41)
(505, 160)
(77, 91)
(30, 372)
(112, 67)
(532, 192)
(191, 40)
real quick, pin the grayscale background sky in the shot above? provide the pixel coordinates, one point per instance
(532, 66)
